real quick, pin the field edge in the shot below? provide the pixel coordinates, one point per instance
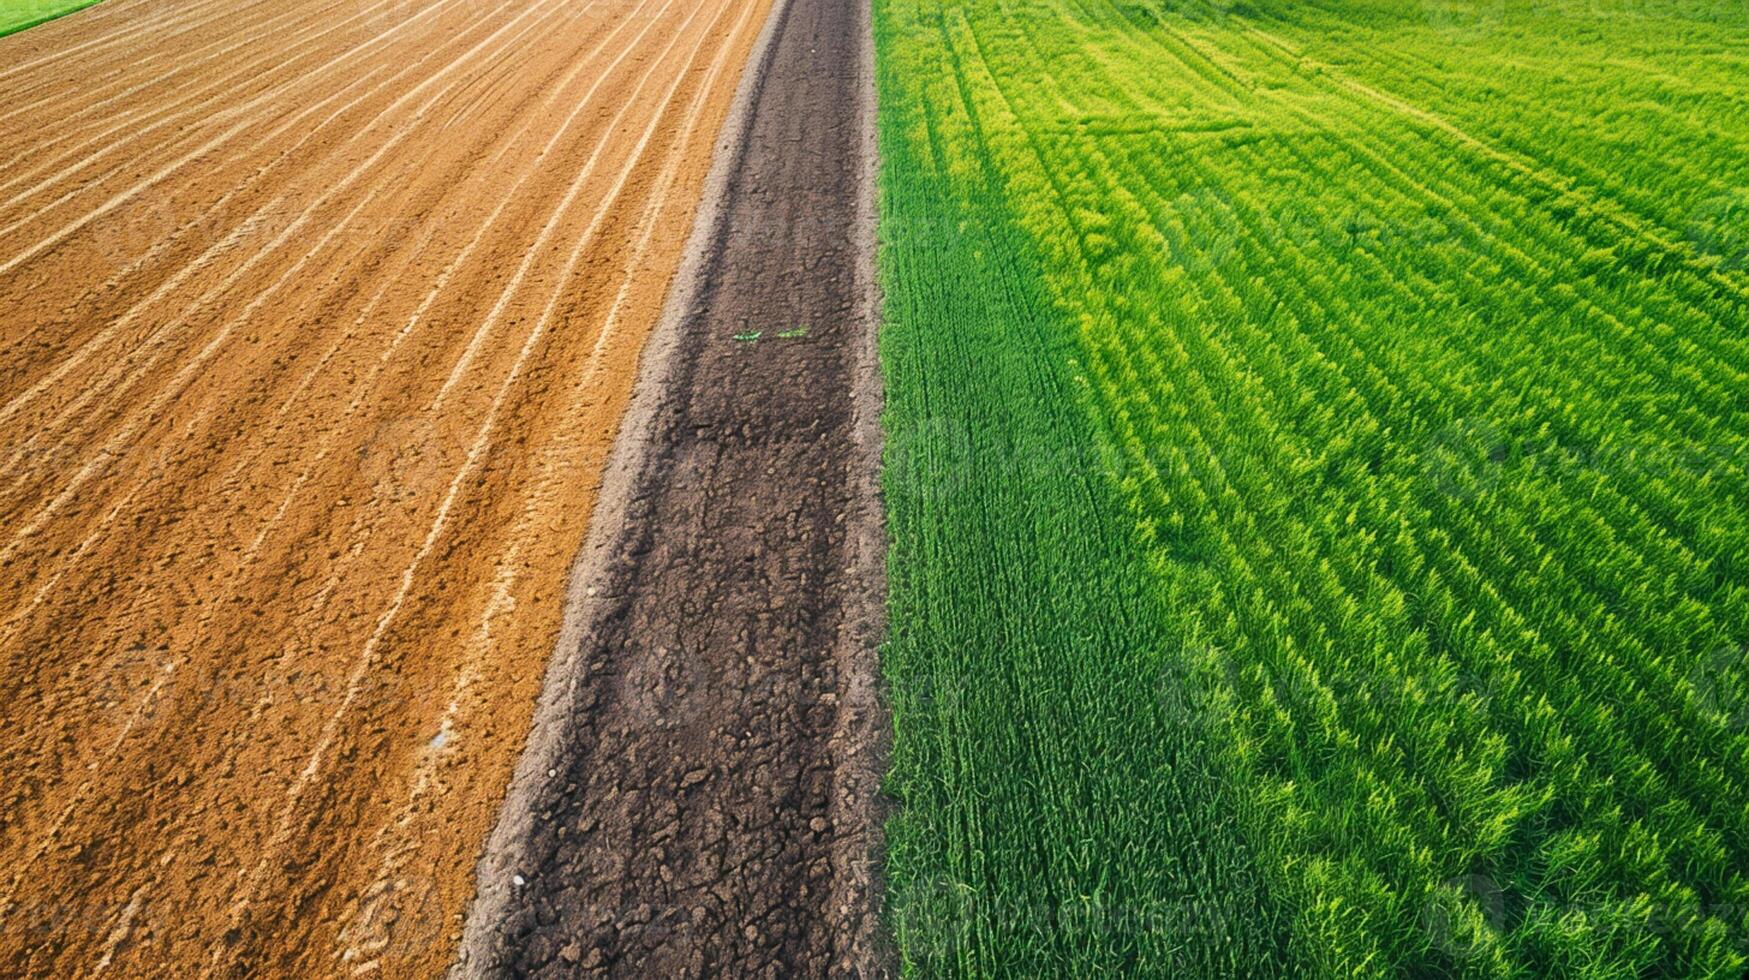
(590, 592)
(493, 881)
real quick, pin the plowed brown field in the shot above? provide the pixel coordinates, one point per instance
(316, 322)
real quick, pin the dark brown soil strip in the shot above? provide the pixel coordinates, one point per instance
(698, 795)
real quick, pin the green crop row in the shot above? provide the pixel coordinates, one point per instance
(1317, 469)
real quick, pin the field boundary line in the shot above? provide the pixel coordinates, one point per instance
(506, 566)
(503, 847)
(865, 613)
(45, 18)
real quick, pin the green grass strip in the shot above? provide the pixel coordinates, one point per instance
(1062, 813)
(19, 15)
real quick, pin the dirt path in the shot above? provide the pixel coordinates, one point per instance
(698, 796)
(317, 318)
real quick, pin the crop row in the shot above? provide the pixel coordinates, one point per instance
(1434, 446)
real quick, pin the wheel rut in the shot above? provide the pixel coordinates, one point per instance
(699, 792)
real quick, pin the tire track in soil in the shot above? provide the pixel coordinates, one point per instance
(699, 793)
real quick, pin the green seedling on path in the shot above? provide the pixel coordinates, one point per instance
(796, 333)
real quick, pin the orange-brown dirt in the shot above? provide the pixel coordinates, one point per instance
(317, 318)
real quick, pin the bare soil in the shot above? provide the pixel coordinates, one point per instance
(699, 795)
(317, 322)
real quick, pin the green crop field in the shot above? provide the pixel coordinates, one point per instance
(1318, 481)
(16, 15)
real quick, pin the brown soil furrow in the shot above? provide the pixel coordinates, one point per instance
(331, 728)
(329, 475)
(249, 116)
(111, 329)
(189, 59)
(188, 371)
(294, 398)
(144, 348)
(180, 108)
(273, 91)
(284, 276)
(163, 208)
(163, 242)
(265, 218)
(551, 487)
(102, 35)
(697, 797)
(183, 92)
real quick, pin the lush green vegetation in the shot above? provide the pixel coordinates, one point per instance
(16, 15)
(1318, 441)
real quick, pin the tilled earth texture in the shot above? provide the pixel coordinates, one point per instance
(317, 320)
(697, 798)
